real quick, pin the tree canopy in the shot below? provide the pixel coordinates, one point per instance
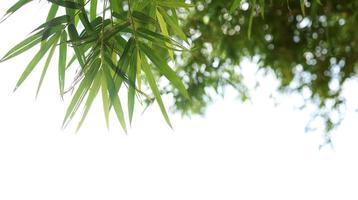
(131, 45)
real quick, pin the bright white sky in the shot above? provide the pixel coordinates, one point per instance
(248, 151)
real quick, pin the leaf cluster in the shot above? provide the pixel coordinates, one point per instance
(115, 46)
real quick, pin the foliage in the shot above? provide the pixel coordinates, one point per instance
(128, 45)
(116, 48)
(310, 46)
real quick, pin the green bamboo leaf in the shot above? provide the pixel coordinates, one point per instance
(105, 99)
(164, 29)
(119, 73)
(81, 91)
(115, 101)
(50, 16)
(157, 38)
(115, 6)
(112, 32)
(123, 63)
(71, 61)
(91, 96)
(23, 46)
(152, 83)
(13, 9)
(123, 16)
(173, 24)
(48, 32)
(132, 71)
(72, 32)
(36, 60)
(67, 4)
(143, 18)
(139, 71)
(85, 21)
(52, 13)
(62, 62)
(93, 10)
(72, 14)
(51, 24)
(165, 69)
(47, 63)
(174, 4)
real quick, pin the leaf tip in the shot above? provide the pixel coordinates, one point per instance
(16, 87)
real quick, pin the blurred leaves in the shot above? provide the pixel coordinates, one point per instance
(310, 46)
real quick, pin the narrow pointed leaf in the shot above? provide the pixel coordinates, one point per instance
(105, 99)
(47, 63)
(163, 27)
(67, 4)
(132, 71)
(52, 13)
(19, 4)
(36, 59)
(23, 46)
(115, 99)
(139, 71)
(173, 25)
(152, 83)
(81, 92)
(93, 10)
(62, 62)
(91, 96)
(165, 69)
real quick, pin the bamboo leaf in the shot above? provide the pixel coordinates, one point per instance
(154, 87)
(143, 18)
(105, 99)
(47, 63)
(163, 27)
(52, 13)
(72, 32)
(115, 101)
(165, 69)
(174, 4)
(36, 60)
(13, 9)
(93, 10)
(139, 71)
(131, 90)
(62, 62)
(23, 46)
(67, 4)
(91, 96)
(173, 24)
(81, 92)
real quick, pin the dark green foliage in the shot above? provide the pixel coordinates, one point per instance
(308, 45)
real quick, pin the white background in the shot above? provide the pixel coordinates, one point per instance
(248, 151)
